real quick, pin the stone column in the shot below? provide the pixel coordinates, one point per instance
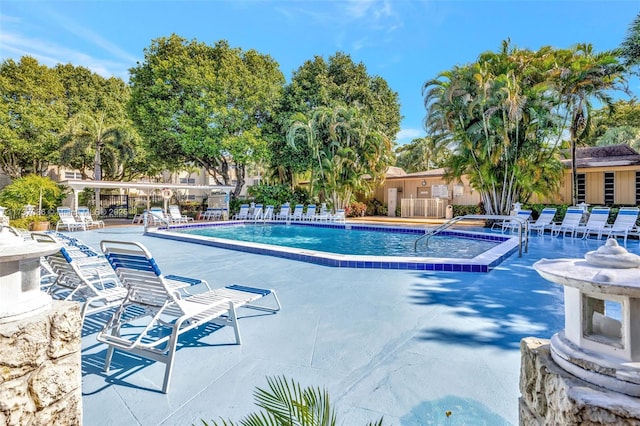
(40, 368)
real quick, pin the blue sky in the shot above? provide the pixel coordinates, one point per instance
(405, 42)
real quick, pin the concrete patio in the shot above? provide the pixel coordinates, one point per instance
(404, 345)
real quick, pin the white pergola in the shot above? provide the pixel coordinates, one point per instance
(146, 187)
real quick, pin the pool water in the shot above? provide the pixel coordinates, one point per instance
(350, 241)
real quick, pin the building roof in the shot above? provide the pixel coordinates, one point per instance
(416, 175)
(393, 171)
(604, 156)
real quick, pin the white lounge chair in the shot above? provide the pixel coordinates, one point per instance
(310, 214)
(84, 215)
(95, 287)
(544, 221)
(268, 213)
(156, 216)
(68, 221)
(570, 222)
(512, 225)
(624, 224)
(161, 315)
(297, 212)
(284, 212)
(176, 215)
(324, 214)
(338, 216)
(243, 214)
(595, 224)
(256, 214)
(211, 213)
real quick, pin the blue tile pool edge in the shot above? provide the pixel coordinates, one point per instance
(481, 263)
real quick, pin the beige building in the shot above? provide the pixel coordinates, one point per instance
(608, 175)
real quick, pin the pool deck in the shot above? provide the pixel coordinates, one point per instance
(408, 346)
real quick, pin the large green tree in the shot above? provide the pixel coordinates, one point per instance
(32, 114)
(346, 146)
(499, 123)
(207, 105)
(321, 83)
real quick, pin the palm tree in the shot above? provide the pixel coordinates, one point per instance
(579, 78)
(90, 138)
(346, 146)
(286, 403)
(497, 123)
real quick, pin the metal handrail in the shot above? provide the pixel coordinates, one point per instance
(156, 217)
(431, 232)
(522, 223)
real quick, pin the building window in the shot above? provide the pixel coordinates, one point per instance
(72, 175)
(190, 181)
(637, 187)
(582, 188)
(609, 188)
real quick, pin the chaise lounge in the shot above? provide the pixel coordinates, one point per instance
(152, 317)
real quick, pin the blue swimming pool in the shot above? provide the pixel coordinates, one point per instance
(354, 241)
(353, 246)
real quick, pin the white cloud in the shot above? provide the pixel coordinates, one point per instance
(92, 37)
(51, 54)
(407, 135)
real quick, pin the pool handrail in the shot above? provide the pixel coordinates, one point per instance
(521, 222)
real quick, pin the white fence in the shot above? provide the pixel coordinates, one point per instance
(423, 207)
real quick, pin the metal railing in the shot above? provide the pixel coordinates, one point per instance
(523, 228)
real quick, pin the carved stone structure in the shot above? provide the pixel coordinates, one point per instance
(40, 341)
(552, 396)
(40, 374)
(595, 346)
(588, 373)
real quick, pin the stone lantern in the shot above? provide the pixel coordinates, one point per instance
(20, 294)
(596, 346)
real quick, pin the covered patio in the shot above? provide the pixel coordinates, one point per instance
(166, 190)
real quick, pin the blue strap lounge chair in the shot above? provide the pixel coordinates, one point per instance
(84, 214)
(297, 212)
(152, 316)
(570, 222)
(268, 213)
(310, 214)
(243, 214)
(256, 214)
(544, 221)
(595, 224)
(338, 216)
(68, 221)
(285, 211)
(624, 224)
(512, 225)
(94, 286)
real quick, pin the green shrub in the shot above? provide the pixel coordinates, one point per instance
(463, 210)
(39, 191)
(376, 208)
